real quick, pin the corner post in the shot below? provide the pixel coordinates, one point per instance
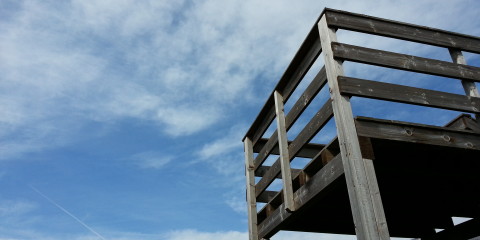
(367, 210)
(251, 199)
(469, 86)
(284, 155)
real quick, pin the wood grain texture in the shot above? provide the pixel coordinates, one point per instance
(309, 150)
(308, 132)
(284, 154)
(302, 103)
(411, 95)
(417, 133)
(405, 62)
(251, 198)
(314, 188)
(400, 30)
(364, 210)
(296, 70)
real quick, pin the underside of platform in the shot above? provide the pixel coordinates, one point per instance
(422, 185)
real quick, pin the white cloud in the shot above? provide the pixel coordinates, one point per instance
(151, 159)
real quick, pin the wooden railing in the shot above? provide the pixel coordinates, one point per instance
(366, 208)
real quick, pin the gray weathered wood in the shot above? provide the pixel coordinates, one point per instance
(308, 151)
(363, 208)
(266, 196)
(251, 198)
(284, 154)
(315, 188)
(469, 86)
(299, 66)
(405, 62)
(302, 103)
(264, 169)
(404, 94)
(417, 133)
(308, 132)
(400, 30)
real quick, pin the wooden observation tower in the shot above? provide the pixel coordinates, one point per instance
(376, 178)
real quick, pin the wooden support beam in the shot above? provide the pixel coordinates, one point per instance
(364, 209)
(410, 95)
(300, 177)
(267, 196)
(316, 187)
(302, 103)
(308, 132)
(400, 30)
(262, 170)
(464, 122)
(251, 198)
(284, 154)
(417, 133)
(469, 86)
(301, 63)
(308, 151)
(405, 62)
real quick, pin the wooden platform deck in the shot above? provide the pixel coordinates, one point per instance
(426, 176)
(376, 178)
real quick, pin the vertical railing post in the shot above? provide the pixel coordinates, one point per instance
(284, 155)
(367, 211)
(251, 199)
(469, 86)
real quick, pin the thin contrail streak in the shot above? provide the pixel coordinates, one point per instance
(67, 212)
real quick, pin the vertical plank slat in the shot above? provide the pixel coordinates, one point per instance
(251, 199)
(364, 210)
(469, 86)
(284, 155)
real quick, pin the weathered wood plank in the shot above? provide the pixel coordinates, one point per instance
(284, 154)
(417, 133)
(302, 103)
(308, 132)
(464, 122)
(405, 62)
(306, 98)
(266, 196)
(364, 210)
(251, 198)
(264, 169)
(314, 188)
(296, 70)
(469, 86)
(411, 95)
(308, 151)
(310, 170)
(400, 30)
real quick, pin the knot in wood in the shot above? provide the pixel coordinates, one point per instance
(408, 132)
(447, 138)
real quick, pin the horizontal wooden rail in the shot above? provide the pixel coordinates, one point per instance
(308, 132)
(318, 162)
(318, 183)
(299, 66)
(302, 103)
(405, 62)
(263, 169)
(308, 151)
(416, 133)
(400, 30)
(267, 196)
(411, 95)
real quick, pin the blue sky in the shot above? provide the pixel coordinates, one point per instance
(123, 119)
